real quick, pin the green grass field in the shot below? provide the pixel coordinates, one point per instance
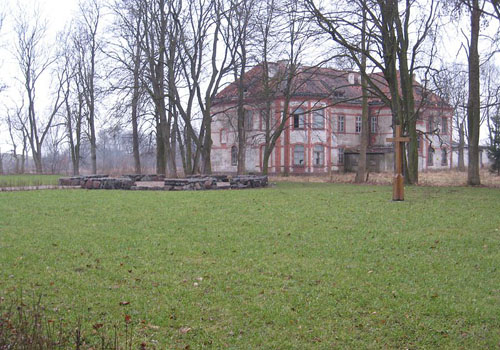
(28, 180)
(298, 266)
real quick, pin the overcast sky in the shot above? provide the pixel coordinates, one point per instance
(57, 13)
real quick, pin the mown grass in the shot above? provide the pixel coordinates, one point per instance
(298, 266)
(28, 180)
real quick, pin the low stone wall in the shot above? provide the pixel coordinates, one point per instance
(159, 182)
(79, 180)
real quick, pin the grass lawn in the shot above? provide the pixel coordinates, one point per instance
(298, 266)
(28, 180)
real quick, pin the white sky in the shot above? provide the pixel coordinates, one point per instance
(58, 13)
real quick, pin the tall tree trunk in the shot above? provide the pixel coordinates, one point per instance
(135, 139)
(473, 106)
(23, 156)
(408, 117)
(189, 153)
(173, 149)
(160, 147)
(182, 149)
(265, 161)
(37, 159)
(461, 146)
(412, 161)
(241, 127)
(206, 167)
(135, 117)
(365, 132)
(93, 148)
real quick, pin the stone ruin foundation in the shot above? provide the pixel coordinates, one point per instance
(160, 183)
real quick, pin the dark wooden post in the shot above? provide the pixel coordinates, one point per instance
(398, 180)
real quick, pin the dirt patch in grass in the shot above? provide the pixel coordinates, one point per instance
(428, 178)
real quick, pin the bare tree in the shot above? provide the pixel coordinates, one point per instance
(88, 46)
(203, 62)
(155, 21)
(74, 111)
(15, 121)
(490, 99)
(365, 135)
(2, 18)
(34, 60)
(479, 13)
(127, 52)
(474, 100)
(240, 17)
(450, 83)
(285, 33)
(394, 45)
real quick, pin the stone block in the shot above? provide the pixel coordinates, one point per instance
(223, 185)
(208, 184)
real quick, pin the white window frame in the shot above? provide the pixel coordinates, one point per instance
(296, 160)
(444, 156)
(234, 156)
(341, 156)
(373, 124)
(300, 114)
(430, 156)
(358, 125)
(319, 149)
(444, 126)
(318, 119)
(341, 123)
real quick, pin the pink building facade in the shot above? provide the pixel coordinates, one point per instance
(323, 133)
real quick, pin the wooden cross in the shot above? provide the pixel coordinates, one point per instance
(398, 193)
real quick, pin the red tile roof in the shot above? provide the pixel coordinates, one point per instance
(318, 82)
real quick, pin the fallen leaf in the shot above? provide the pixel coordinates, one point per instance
(128, 318)
(97, 326)
(123, 303)
(184, 330)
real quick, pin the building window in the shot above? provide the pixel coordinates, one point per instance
(234, 155)
(358, 124)
(248, 120)
(431, 124)
(444, 126)
(298, 155)
(299, 119)
(341, 122)
(341, 156)
(319, 155)
(373, 124)
(319, 119)
(430, 156)
(444, 157)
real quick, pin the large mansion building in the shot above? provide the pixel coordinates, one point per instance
(323, 129)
